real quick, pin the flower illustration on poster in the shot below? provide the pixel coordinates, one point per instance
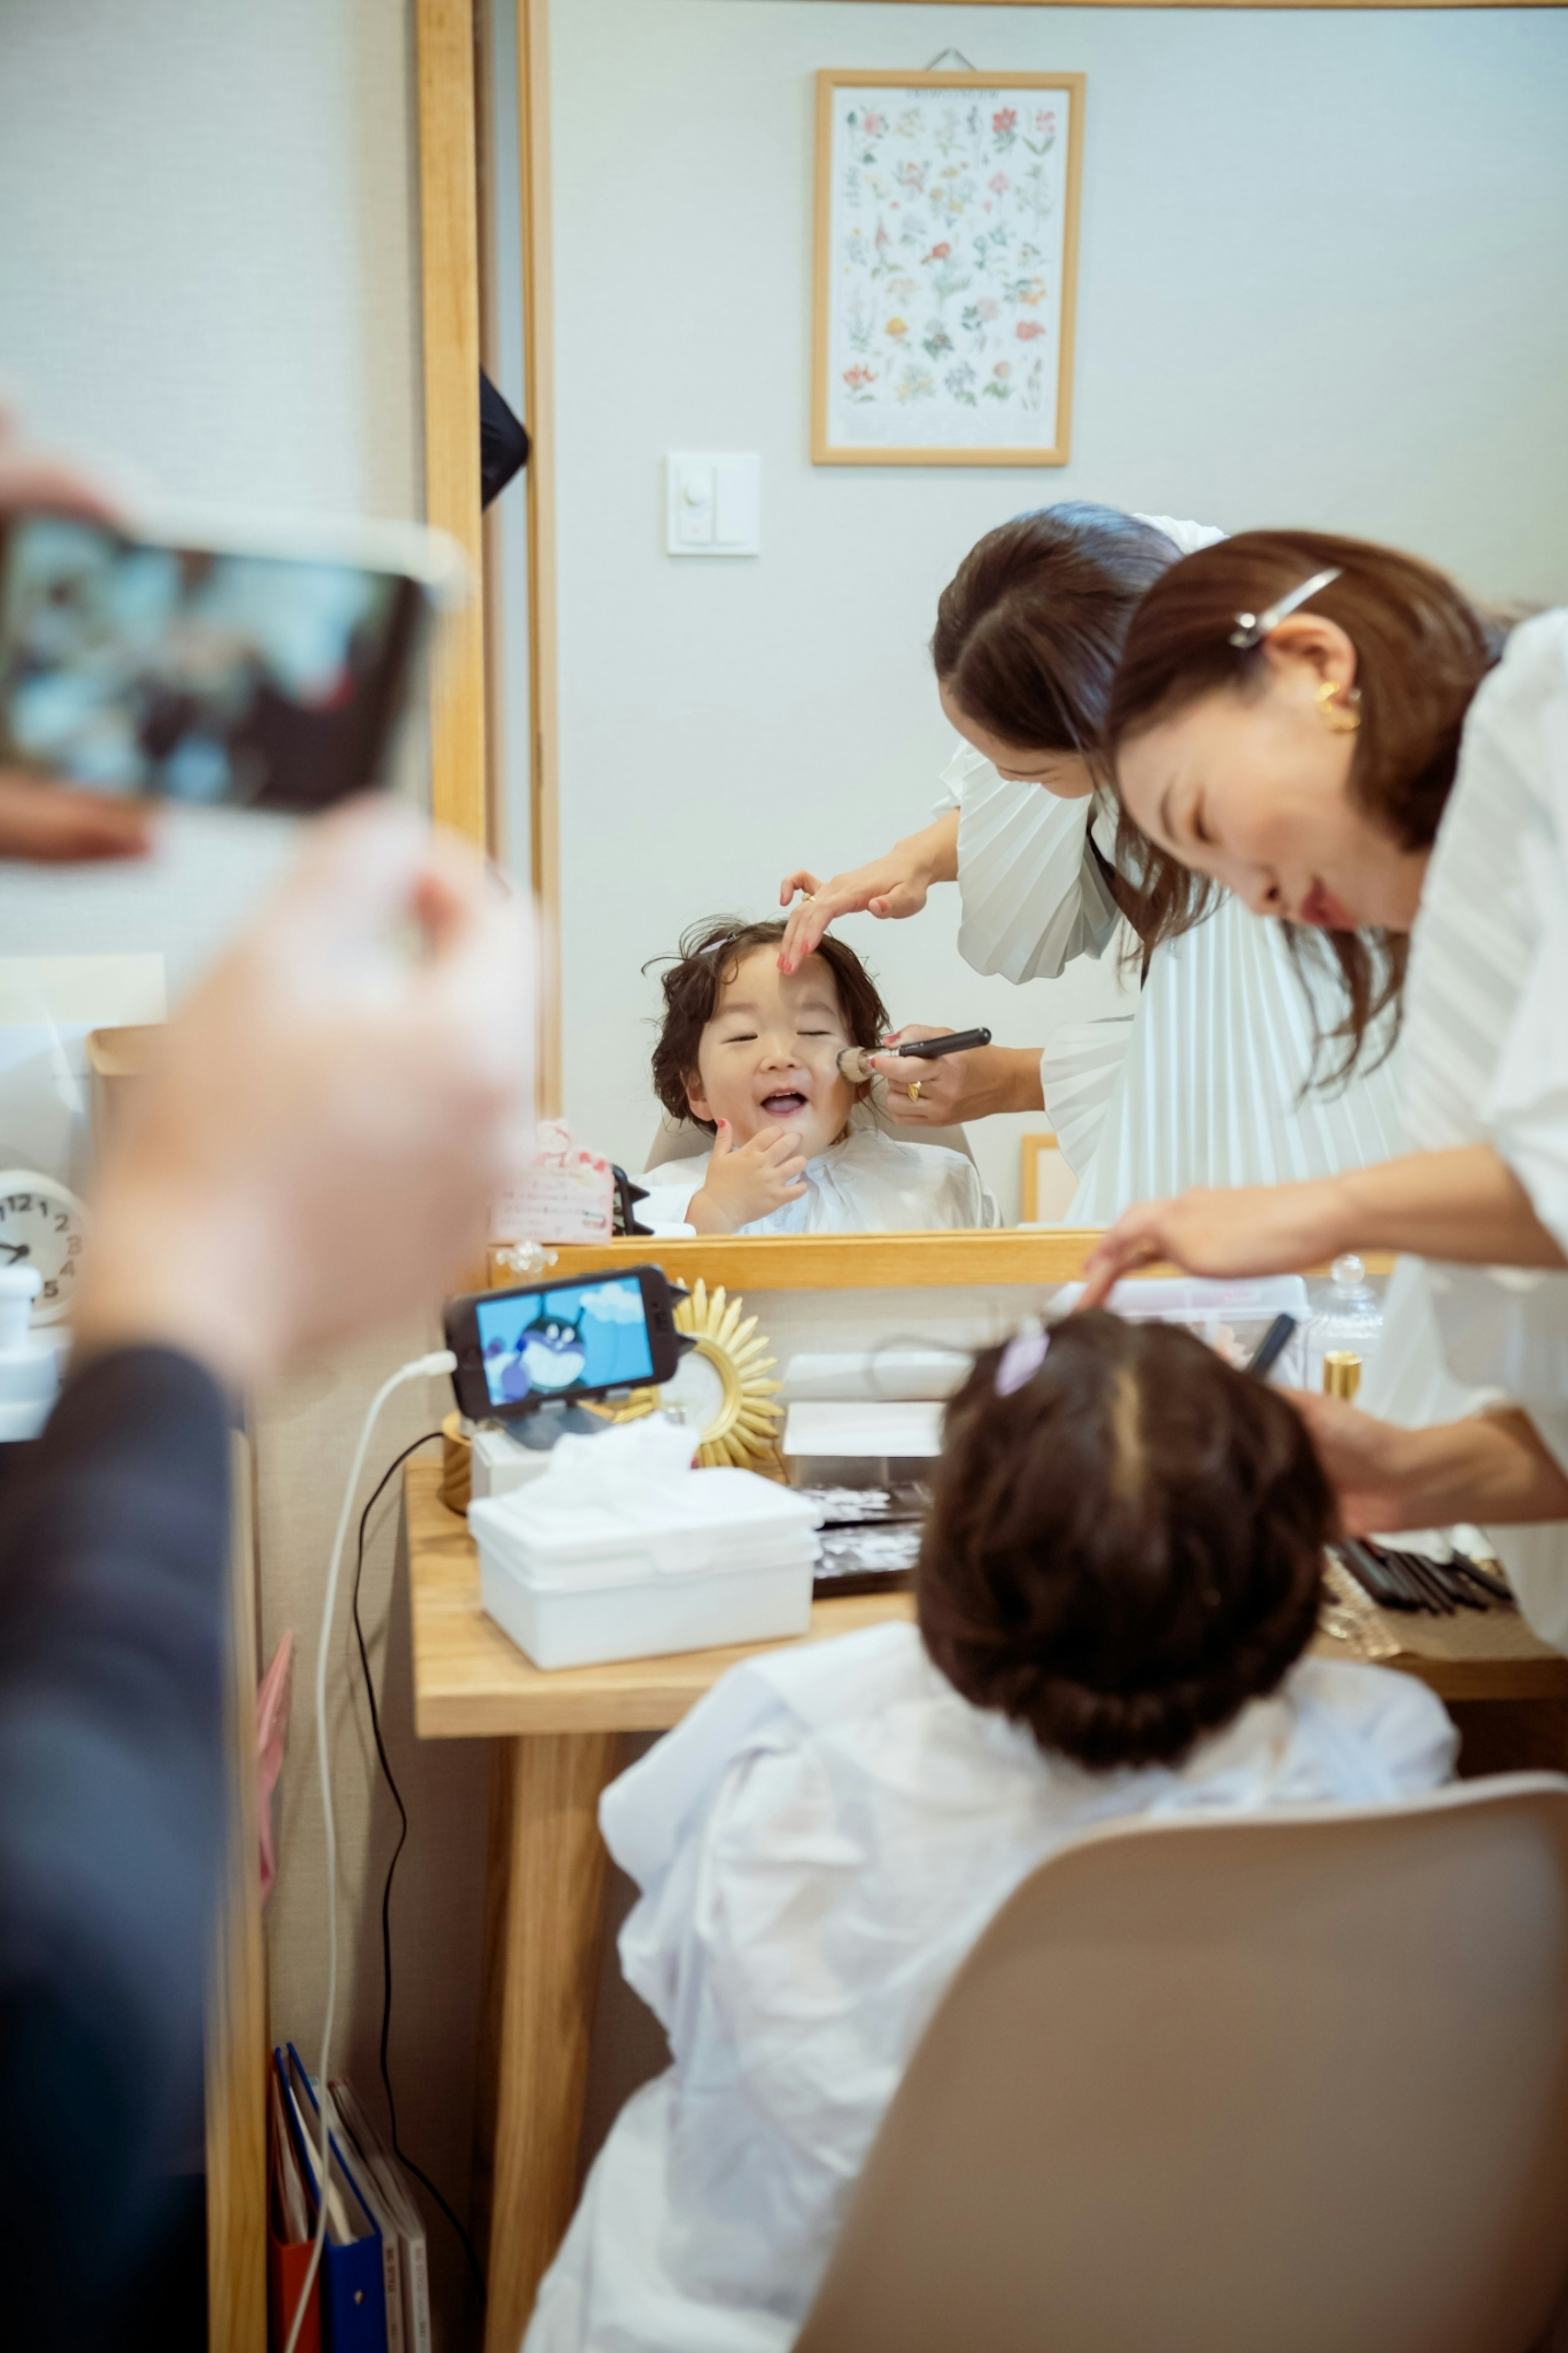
(944, 248)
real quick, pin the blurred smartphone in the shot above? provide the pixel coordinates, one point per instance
(250, 664)
(516, 1349)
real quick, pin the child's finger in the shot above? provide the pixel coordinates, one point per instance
(724, 1142)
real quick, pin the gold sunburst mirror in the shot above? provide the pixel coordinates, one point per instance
(721, 1384)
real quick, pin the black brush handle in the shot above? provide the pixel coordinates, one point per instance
(1373, 1575)
(932, 1050)
(1271, 1347)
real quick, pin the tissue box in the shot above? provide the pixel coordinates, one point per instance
(718, 1557)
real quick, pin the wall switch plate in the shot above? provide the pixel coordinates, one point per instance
(714, 504)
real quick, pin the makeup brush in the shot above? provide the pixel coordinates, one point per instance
(855, 1062)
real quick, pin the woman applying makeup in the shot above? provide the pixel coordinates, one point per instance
(1208, 1078)
(1334, 733)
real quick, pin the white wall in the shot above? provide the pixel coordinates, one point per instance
(1324, 279)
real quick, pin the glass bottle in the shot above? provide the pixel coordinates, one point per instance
(1349, 1320)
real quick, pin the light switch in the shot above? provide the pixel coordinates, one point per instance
(714, 504)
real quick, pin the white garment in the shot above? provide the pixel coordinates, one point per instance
(869, 1183)
(1200, 1082)
(1486, 1060)
(819, 1846)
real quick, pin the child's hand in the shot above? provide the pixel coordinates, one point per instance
(749, 1182)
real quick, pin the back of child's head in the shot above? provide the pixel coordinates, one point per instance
(710, 956)
(1125, 1548)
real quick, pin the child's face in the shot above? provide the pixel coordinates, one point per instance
(769, 1057)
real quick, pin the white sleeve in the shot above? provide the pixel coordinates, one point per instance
(1525, 1112)
(1032, 892)
(1185, 537)
(964, 761)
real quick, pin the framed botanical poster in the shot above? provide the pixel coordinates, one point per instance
(946, 267)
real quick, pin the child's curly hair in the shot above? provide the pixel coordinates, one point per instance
(707, 960)
(1127, 1549)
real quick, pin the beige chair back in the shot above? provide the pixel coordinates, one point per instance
(1279, 2083)
(682, 1139)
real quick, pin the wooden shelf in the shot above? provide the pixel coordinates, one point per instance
(748, 1262)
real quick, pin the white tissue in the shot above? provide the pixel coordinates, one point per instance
(619, 1471)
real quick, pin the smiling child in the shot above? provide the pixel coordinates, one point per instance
(751, 1054)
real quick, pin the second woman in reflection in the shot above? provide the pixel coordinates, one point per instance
(1213, 1076)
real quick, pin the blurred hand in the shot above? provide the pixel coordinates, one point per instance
(960, 1086)
(39, 821)
(1492, 1468)
(749, 1181)
(891, 887)
(329, 1120)
(1370, 1464)
(1233, 1230)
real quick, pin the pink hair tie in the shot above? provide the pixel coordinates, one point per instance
(1021, 1360)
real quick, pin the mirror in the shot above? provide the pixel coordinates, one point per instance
(730, 719)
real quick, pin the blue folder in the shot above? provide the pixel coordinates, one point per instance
(353, 2290)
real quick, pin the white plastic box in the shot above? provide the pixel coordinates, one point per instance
(720, 1556)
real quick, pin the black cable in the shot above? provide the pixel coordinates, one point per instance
(418, 2172)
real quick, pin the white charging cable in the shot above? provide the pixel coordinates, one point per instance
(421, 1368)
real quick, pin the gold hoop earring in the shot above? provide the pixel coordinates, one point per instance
(1340, 713)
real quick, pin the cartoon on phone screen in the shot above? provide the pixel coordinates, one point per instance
(591, 1337)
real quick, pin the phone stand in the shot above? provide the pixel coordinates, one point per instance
(511, 1453)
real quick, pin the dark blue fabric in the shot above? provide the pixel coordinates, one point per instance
(114, 1541)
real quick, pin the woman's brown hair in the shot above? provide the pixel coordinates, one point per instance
(1422, 650)
(1029, 627)
(1126, 1549)
(707, 960)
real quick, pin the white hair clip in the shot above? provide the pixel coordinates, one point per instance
(1021, 1360)
(1251, 628)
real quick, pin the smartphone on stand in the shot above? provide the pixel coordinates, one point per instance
(233, 662)
(549, 1342)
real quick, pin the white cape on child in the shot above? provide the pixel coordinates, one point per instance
(869, 1183)
(819, 1846)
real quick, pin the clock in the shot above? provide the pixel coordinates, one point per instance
(41, 1223)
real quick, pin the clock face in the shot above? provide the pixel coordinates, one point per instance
(41, 1227)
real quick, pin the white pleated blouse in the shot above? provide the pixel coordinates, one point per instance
(1486, 1060)
(1202, 1081)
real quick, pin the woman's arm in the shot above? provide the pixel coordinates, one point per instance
(1466, 1204)
(890, 888)
(1493, 1468)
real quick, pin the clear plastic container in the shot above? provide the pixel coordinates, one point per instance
(1349, 1318)
(1232, 1316)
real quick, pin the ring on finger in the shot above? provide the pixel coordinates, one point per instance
(915, 1090)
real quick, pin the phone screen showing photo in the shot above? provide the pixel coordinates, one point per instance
(585, 1337)
(193, 675)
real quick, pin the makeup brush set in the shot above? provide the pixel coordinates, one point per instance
(1396, 1579)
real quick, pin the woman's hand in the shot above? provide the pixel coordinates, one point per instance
(327, 1122)
(749, 1182)
(1492, 1468)
(890, 888)
(970, 1085)
(1236, 1231)
(1373, 1466)
(47, 824)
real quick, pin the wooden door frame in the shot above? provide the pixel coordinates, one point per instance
(449, 269)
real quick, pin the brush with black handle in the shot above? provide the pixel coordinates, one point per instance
(854, 1062)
